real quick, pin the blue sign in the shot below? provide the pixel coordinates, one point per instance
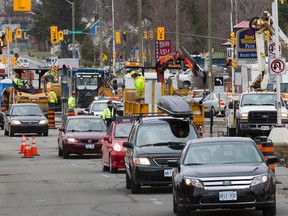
(247, 39)
(247, 54)
(75, 53)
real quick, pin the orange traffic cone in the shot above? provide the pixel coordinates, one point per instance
(22, 148)
(27, 152)
(34, 150)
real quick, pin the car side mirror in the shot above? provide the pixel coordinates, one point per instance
(230, 105)
(173, 163)
(128, 145)
(61, 129)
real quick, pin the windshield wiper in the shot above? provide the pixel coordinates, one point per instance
(92, 130)
(121, 137)
(165, 143)
(268, 104)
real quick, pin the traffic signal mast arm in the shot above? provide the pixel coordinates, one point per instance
(182, 58)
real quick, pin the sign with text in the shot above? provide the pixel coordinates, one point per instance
(162, 48)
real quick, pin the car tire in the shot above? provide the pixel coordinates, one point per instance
(231, 132)
(5, 132)
(60, 152)
(135, 188)
(128, 181)
(105, 168)
(111, 169)
(11, 134)
(182, 212)
(45, 133)
(238, 130)
(175, 206)
(65, 154)
(269, 211)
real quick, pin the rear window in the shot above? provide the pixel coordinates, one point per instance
(86, 124)
(123, 130)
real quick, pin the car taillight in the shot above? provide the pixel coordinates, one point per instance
(221, 102)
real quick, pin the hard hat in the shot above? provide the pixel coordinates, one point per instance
(73, 92)
(132, 73)
(109, 102)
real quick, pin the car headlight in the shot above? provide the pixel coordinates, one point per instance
(71, 140)
(141, 161)
(44, 121)
(117, 147)
(284, 116)
(194, 182)
(244, 116)
(15, 122)
(259, 179)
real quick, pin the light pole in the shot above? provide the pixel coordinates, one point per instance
(113, 32)
(73, 26)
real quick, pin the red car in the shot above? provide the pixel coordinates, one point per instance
(81, 134)
(112, 148)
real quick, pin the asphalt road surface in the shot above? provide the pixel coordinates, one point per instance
(49, 185)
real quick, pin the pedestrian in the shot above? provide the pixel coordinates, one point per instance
(109, 113)
(52, 99)
(18, 83)
(139, 82)
(71, 101)
(49, 76)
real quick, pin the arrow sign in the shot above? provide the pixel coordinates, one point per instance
(277, 66)
(218, 81)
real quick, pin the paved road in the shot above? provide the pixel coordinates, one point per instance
(49, 185)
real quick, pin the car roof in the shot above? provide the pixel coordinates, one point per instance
(83, 117)
(25, 104)
(105, 101)
(158, 119)
(220, 139)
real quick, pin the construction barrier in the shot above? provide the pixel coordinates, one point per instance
(268, 150)
(51, 118)
(71, 112)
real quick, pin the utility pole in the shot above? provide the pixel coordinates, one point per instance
(140, 32)
(101, 32)
(232, 48)
(113, 32)
(177, 24)
(210, 44)
(73, 26)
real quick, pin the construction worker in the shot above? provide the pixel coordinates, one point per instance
(71, 101)
(139, 81)
(108, 113)
(49, 76)
(18, 83)
(52, 98)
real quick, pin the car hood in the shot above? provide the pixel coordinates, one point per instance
(87, 135)
(260, 108)
(160, 150)
(28, 118)
(225, 170)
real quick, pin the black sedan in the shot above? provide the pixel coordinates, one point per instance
(223, 173)
(25, 118)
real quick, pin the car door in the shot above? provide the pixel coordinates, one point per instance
(130, 151)
(207, 102)
(107, 145)
(62, 134)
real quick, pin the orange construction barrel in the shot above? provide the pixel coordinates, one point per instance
(51, 118)
(71, 113)
(268, 150)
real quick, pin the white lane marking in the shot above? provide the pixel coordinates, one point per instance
(105, 175)
(75, 165)
(156, 201)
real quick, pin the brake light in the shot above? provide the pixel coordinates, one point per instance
(222, 103)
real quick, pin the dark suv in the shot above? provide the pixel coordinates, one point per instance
(151, 143)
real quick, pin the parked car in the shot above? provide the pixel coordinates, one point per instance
(25, 118)
(112, 144)
(2, 120)
(96, 107)
(81, 134)
(219, 173)
(151, 143)
(212, 103)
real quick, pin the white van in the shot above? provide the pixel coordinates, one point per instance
(23, 62)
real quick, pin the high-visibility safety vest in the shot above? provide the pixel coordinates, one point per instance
(107, 114)
(71, 102)
(140, 86)
(52, 97)
(18, 82)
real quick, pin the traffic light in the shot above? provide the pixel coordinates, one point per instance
(267, 35)
(54, 34)
(232, 34)
(124, 36)
(18, 33)
(117, 37)
(234, 63)
(145, 35)
(282, 1)
(3, 60)
(151, 34)
(61, 35)
(160, 33)
(8, 35)
(13, 60)
(22, 5)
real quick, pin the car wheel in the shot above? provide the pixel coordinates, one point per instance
(231, 132)
(175, 206)
(11, 134)
(111, 169)
(60, 152)
(65, 154)
(238, 130)
(128, 181)
(182, 212)
(105, 168)
(269, 211)
(45, 133)
(5, 132)
(135, 188)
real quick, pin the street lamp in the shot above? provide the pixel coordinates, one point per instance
(73, 26)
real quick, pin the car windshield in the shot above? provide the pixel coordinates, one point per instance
(26, 111)
(123, 130)
(165, 132)
(259, 99)
(85, 125)
(99, 106)
(222, 153)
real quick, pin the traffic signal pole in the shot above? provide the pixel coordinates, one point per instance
(232, 48)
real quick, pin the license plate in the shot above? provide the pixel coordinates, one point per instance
(167, 173)
(264, 127)
(89, 146)
(227, 195)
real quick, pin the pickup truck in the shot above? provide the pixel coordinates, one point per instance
(256, 114)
